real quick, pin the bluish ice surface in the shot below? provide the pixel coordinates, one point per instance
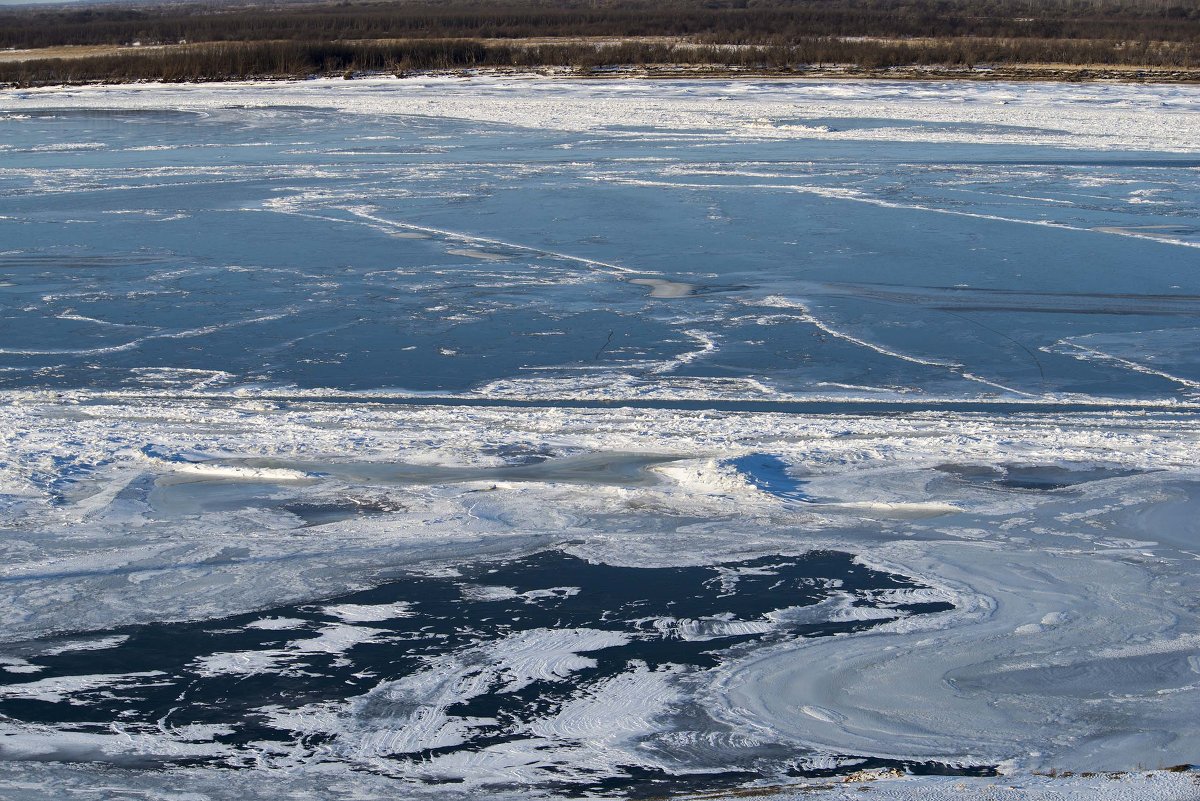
(294, 246)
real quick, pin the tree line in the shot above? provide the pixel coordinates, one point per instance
(237, 60)
(747, 22)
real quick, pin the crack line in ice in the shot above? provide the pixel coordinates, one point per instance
(805, 314)
(473, 238)
(835, 193)
(1084, 353)
(136, 343)
(386, 225)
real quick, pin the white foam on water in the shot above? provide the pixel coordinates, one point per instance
(411, 715)
(332, 640)
(709, 628)
(72, 689)
(277, 624)
(92, 644)
(369, 613)
(15, 664)
(28, 745)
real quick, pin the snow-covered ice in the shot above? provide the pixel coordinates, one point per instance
(445, 436)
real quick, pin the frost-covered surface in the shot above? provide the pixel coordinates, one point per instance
(39, 781)
(1104, 787)
(1062, 544)
(913, 482)
(1119, 116)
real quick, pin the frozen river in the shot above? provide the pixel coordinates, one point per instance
(442, 436)
(256, 236)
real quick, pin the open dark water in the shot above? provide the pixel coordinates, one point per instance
(414, 621)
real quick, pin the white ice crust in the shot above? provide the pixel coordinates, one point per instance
(1098, 115)
(1071, 645)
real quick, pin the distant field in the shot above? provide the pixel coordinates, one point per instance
(1057, 39)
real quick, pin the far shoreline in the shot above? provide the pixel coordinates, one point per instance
(1031, 73)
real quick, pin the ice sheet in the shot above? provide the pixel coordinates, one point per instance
(1066, 593)
(642, 240)
(262, 370)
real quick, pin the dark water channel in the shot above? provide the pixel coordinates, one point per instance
(434, 615)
